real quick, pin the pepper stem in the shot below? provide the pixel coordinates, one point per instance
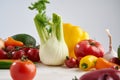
(84, 66)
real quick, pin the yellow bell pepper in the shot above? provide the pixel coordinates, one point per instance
(72, 35)
(87, 62)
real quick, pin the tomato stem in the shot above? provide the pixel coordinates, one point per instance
(116, 67)
(75, 78)
(92, 44)
(24, 58)
(67, 57)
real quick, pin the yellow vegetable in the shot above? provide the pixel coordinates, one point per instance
(2, 45)
(73, 34)
(87, 62)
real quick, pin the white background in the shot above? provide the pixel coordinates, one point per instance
(94, 16)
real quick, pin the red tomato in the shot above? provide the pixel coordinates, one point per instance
(10, 48)
(70, 62)
(17, 54)
(33, 54)
(89, 47)
(25, 49)
(23, 70)
(3, 54)
(115, 60)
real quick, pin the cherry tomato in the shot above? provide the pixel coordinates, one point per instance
(23, 70)
(115, 60)
(70, 62)
(33, 54)
(3, 54)
(25, 49)
(10, 48)
(17, 54)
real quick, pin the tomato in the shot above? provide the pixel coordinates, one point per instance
(25, 49)
(23, 70)
(115, 60)
(70, 62)
(33, 54)
(3, 54)
(10, 48)
(89, 47)
(17, 54)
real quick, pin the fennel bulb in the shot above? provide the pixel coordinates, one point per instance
(53, 52)
(53, 49)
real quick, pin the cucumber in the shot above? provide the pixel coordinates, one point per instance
(5, 64)
(118, 52)
(27, 39)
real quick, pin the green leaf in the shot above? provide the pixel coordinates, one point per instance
(40, 6)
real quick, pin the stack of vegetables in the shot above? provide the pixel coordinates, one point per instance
(57, 38)
(65, 43)
(61, 44)
(16, 46)
(18, 54)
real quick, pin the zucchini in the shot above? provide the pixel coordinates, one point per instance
(5, 63)
(27, 39)
(118, 52)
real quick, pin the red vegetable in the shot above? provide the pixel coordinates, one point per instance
(70, 62)
(17, 54)
(115, 60)
(89, 47)
(102, 74)
(23, 70)
(33, 54)
(9, 48)
(3, 54)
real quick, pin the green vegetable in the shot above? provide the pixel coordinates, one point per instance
(5, 64)
(28, 40)
(53, 49)
(118, 52)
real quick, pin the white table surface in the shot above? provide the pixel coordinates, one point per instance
(48, 73)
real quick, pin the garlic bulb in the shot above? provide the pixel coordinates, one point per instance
(111, 53)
